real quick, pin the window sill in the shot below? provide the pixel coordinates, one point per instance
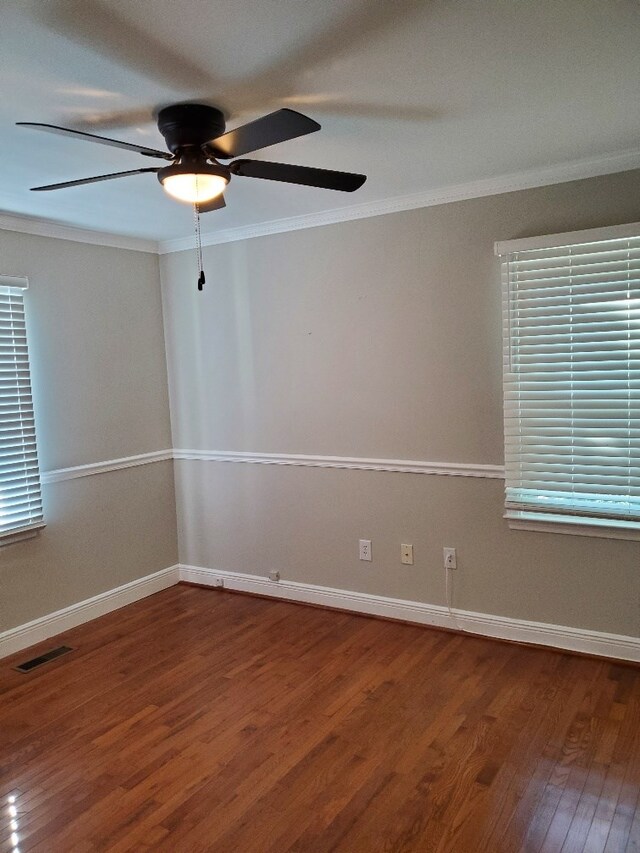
(574, 526)
(20, 535)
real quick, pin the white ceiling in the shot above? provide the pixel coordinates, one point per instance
(418, 95)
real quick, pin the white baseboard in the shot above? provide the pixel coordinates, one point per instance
(500, 627)
(47, 626)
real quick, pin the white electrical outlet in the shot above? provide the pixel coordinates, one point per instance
(406, 554)
(365, 550)
(449, 555)
(274, 575)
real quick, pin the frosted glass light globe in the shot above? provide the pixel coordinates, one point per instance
(194, 188)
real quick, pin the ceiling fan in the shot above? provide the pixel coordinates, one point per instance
(196, 138)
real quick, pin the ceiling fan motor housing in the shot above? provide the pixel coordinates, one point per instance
(189, 125)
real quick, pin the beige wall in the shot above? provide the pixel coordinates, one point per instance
(99, 378)
(376, 338)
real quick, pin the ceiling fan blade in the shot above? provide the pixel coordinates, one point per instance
(103, 121)
(104, 30)
(93, 180)
(325, 178)
(216, 203)
(103, 140)
(270, 129)
(335, 36)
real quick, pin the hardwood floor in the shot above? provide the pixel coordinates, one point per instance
(201, 720)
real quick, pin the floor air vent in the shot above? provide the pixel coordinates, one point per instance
(28, 665)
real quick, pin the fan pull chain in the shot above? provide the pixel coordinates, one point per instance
(196, 219)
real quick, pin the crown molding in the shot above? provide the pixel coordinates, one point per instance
(47, 228)
(573, 171)
(561, 173)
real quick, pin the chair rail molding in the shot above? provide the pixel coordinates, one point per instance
(403, 466)
(60, 474)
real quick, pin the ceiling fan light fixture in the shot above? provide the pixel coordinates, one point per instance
(194, 182)
(194, 188)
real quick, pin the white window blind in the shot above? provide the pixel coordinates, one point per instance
(572, 381)
(20, 496)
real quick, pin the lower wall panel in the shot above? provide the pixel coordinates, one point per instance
(108, 535)
(102, 533)
(306, 522)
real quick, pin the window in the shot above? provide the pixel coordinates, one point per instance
(20, 497)
(571, 313)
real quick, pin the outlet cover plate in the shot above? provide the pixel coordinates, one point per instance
(365, 550)
(406, 554)
(450, 560)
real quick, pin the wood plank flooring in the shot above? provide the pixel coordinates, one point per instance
(202, 720)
